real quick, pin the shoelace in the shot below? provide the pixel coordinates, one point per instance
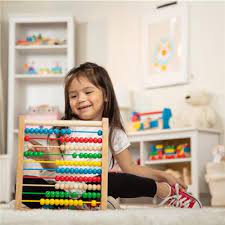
(177, 200)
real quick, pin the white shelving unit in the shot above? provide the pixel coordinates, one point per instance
(26, 90)
(201, 143)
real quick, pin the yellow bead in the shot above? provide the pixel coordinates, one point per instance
(81, 163)
(56, 201)
(66, 202)
(57, 162)
(80, 202)
(47, 201)
(85, 163)
(61, 201)
(61, 162)
(62, 147)
(75, 202)
(70, 202)
(99, 164)
(70, 163)
(93, 203)
(52, 201)
(42, 201)
(66, 163)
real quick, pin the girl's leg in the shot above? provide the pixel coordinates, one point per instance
(130, 186)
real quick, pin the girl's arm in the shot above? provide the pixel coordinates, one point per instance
(128, 166)
(46, 157)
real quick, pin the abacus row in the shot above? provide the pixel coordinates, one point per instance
(80, 186)
(62, 194)
(78, 179)
(78, 170)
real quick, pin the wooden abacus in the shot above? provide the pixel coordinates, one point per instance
(98, 160)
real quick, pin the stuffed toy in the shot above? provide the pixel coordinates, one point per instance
(198, 113)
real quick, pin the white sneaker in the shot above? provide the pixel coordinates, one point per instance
(181, 199)
(112, 203)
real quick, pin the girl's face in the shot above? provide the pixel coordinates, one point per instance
(86, 100)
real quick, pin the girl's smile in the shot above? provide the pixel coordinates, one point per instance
(86, 100)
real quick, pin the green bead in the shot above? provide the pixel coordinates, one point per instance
(74, 155)
(94, 195)
(99, 155)
(47, 194)
(31, 153)
(98, 195)
(36, 154)
(85, 155)
(41, 154)
(84, 195)
(73, 195)
(52, 194)
(67, 194)
(61, 194)
(81, 155)
(57, 194)
(95, 155)
(26, 153)
(90, 155)
(89, 195)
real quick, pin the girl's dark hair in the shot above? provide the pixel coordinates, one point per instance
(99, 77)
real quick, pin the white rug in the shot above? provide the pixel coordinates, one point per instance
(150, 216)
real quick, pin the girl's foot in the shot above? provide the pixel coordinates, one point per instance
(180, 199)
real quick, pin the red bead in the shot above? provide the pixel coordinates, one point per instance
(85, 140)
(90, 140)
(89, 179)
(94, 179)
(95, 140)
(66, 178)
(57, 178)
(26, 138)
(71, 139)
(70, 178)
(80, 179)
(81, 140)
(99, 179)
(62, 139)
(76, 139)
(75, 179)
(99, 140)
(85, 179)
(61, 178)
(67, 139)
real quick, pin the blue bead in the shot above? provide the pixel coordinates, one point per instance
(85, 171)
(63, 131)
(72, 170)
(99, 171)
(27, 130)
(68, 131)
(41, 131)
(81, 171)
(94, 171)
(76, 170)
(57, 170)
(50, 131)
(99, 132)
(36, 130)
(62, 170)
(89, 171)
(67, 170)
(45, 131)
(31, 130)
(56, 131)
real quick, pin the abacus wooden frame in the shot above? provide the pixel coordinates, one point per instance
(104, 176)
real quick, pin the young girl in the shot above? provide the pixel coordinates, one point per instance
(89, 95)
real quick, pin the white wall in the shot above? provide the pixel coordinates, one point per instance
(109, 33)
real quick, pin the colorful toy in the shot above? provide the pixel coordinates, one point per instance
(39, 40)
(156, 152)
(89, 164)
(169, 152)
(29, 69)
(160, 121)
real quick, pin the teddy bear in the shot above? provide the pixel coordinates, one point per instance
(197, 112)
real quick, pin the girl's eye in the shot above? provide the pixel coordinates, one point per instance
(73, 96)
(89, 92)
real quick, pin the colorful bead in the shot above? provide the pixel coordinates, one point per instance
(80, 202)
(62, 147)
(63, 131)
(26, 138)
(42, 201)
(93, 203)
(68, 131)
(56, 202)
(56, 131)
(75, 202)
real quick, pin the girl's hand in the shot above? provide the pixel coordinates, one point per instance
(170, 179)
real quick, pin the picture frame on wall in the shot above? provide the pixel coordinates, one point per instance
(165, 47)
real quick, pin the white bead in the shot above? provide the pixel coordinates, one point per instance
(29, 146)
(99, 148)
(94, 187)
(90, 147)
(98, 187)
(85, 186)
(81, 186)
(66, 187)
(62, 147)
(75, 186)
(67, 147)
(89, 187)
(71, 186)
(57, 186)
(81, 147)
(62, 186)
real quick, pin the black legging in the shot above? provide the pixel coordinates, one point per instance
(119, 185)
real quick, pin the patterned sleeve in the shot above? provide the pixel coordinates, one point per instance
(120, 141)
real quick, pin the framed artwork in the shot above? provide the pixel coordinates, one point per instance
(165, 47)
